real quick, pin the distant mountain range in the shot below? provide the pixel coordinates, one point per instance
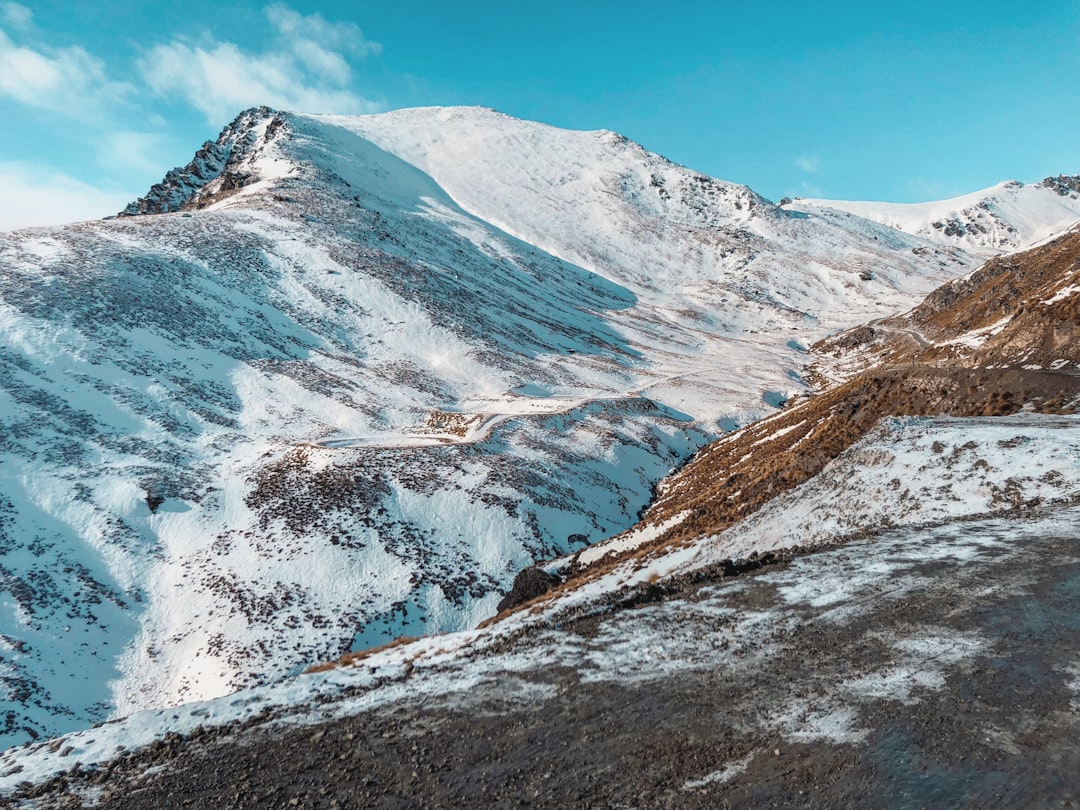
(1006, 217)
(340, 379)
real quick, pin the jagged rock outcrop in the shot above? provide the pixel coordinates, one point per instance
(219, 167)
(528, 584)
(1064, 184)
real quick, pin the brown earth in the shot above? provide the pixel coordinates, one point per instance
(739, 474)
(1016, 287)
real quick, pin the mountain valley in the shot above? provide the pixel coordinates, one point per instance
(338, 381)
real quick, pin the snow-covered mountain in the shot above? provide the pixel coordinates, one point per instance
(353, 373)
(1006, 217)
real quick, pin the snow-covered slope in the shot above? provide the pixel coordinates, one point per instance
(704, 257)
(710, 629)
(1006, 217)
(167, 533)
(360, 371)
(918, 472)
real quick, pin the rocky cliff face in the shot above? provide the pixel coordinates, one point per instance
(1065, 185)
(219, 167)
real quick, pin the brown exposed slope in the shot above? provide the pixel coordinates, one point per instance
(740, 473)
(932, 361)
(1021, 309)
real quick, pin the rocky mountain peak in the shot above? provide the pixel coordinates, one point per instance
(218, 168)
(1064, 184)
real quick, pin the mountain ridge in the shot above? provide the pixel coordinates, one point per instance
(992, 220)
(219, 167)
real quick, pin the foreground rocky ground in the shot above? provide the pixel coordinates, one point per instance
(922, 667)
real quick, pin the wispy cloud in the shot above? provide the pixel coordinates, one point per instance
(14, 15)
(306, 63)
(313, 30)
(811, 164)
(306, 69)
(37, 195)
(67, 80)
(145, 152)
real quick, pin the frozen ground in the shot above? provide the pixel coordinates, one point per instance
(908, 471)
(920, 667)
(917, 471)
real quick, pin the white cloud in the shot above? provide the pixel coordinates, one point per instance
(69, 80)
(808, 163)
(31, 194)
(804, 190)
(306, 69)
(15, 15)
(323, 63)
(306, 66)
(313, 28)
(128, 153)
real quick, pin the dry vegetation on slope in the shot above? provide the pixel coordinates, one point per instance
(739, 474)
(1019, 309)
(1033, 291)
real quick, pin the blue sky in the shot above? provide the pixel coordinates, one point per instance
(902, 102)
